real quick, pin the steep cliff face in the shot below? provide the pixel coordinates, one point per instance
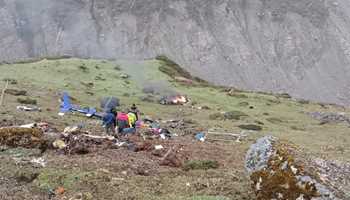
(301, 47)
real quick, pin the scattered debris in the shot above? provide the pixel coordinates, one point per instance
(27, 108)
(72, 130)
(59, 144)
(158, 147)
(60, 191)
(84, 144)
(222, 136)
(39, 162)
(200, 137)
(279, 170)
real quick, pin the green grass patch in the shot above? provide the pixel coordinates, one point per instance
(201, 165)
(52, 178)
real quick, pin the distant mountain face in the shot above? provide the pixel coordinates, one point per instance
(297, 46)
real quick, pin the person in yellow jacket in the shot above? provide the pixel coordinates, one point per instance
(132, 119)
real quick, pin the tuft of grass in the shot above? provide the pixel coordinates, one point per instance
(251, 127)
(200, 165)
(27, 100)
(83, 68)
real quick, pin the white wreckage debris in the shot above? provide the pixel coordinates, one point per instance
(28, 109)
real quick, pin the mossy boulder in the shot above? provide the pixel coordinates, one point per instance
(280, 170)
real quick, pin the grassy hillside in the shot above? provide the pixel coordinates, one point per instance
(90, 80)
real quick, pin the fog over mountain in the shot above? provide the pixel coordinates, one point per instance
(301, 47)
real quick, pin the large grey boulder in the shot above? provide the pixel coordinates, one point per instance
(280, 170)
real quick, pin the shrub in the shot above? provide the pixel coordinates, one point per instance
(27, 101)
(251, 127)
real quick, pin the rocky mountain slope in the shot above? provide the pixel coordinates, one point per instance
(301, 47)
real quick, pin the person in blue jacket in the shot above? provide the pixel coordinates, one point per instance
(109, 122)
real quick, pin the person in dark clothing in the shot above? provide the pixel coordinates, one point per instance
(109, 122)
(135, 110)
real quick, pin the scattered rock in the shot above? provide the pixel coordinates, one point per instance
(279, 170)
(326, 118)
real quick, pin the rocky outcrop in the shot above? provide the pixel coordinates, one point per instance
(279, 170)
(301, 47)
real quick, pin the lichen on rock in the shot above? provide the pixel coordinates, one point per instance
(280, 170)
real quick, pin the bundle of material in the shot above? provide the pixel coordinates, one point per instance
(21, 137)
